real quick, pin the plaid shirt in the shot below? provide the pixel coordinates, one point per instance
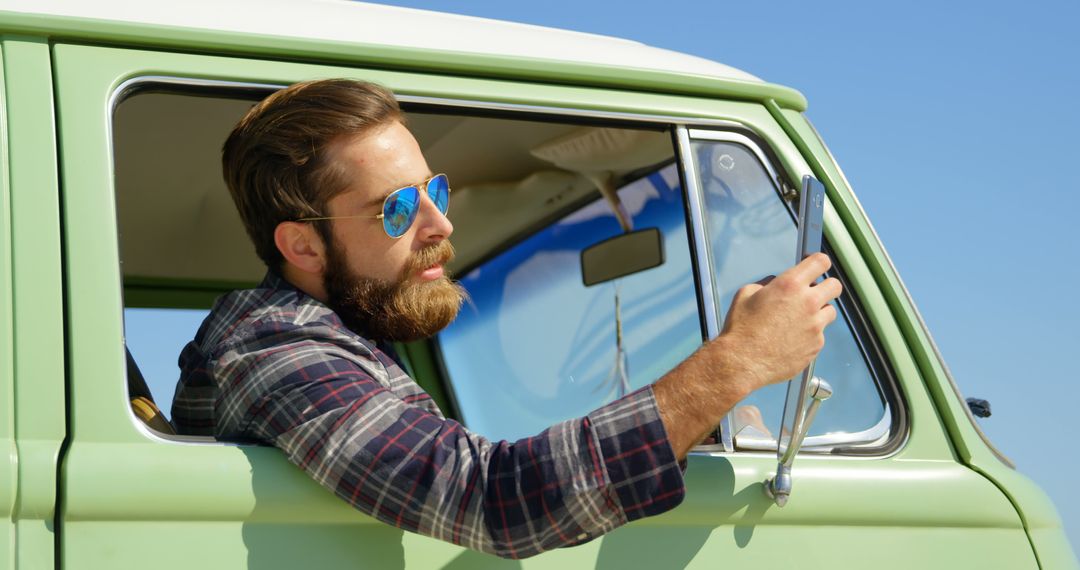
(275, 366)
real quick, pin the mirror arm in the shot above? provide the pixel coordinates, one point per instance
(778, 488)
(605, 183)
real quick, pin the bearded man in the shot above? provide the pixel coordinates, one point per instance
(350, 221)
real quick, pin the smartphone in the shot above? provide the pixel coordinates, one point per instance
(811, 210)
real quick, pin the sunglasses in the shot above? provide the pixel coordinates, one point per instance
(400, 207)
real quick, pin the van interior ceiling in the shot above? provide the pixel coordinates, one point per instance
(509, 176)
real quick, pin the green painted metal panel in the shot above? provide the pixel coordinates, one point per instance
(37, 302)
(8, 473)
(65, 29)
(629, 548)
(278, 514)
(174, 294)
(1040, 516)
(130, 497)
(752, 547)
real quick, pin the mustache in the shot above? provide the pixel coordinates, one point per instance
(437, 254)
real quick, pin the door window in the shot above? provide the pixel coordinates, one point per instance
(532, 347)
(751, 234)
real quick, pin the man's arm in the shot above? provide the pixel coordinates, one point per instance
(300, 390)
(381, 451)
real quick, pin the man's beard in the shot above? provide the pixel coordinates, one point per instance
(401, 310)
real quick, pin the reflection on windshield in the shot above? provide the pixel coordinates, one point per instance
(536, 346)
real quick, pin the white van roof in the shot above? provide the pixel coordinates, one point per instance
(362, 23)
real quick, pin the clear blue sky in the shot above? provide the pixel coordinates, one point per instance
(956, 123)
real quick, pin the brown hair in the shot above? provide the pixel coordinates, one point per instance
(275, 160)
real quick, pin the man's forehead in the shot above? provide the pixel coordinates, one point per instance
(378, 162)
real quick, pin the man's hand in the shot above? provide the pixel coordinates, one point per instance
(772, 331)
(775, 329)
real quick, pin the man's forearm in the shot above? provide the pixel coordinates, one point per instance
(696, 395)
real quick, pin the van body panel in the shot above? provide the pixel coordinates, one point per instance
(1038, 513)
(39, 418)
(9, 476)
(254, 508)
(637, 546)
(157, 36)
(345, 22)
(1053, 548)
(130, 496)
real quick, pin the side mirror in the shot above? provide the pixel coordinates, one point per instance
(979, 408)
(622, 255)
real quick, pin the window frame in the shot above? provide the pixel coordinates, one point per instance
(186, 297)
(681, 128)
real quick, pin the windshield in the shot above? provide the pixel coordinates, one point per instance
(535, 346)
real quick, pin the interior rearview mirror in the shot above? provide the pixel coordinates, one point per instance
(622, 255)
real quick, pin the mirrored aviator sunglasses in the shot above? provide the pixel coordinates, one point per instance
(401, 206)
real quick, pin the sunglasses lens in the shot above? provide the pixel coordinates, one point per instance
(399, 211)
(438, 189)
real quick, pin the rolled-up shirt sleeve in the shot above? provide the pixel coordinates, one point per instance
(416, 470)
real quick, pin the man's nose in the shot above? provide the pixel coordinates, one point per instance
(432, 225)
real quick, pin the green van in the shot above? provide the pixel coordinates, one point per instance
(117, 234)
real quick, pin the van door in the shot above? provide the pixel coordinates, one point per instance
(131, 495)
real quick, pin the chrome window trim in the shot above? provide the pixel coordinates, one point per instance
(665, 121)
(702, 247)
(874, 435)
(126, 89)
(826, 443)
(703, 259)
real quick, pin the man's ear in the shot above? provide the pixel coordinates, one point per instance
(301, 246)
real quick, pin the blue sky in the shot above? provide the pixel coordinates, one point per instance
(955, 123)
